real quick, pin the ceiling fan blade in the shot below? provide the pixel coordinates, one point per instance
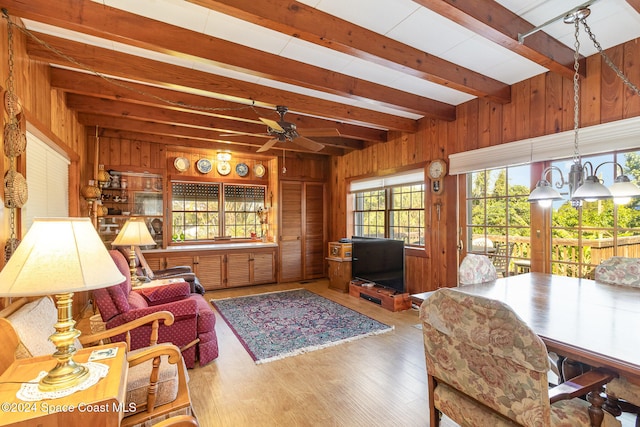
(308, 144)
(319, 132)
(272, 124)
(270, 143)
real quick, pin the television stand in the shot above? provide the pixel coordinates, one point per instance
(386, 298)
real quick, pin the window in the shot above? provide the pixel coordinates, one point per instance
(394, 211)
(498, 214)
(205, 211)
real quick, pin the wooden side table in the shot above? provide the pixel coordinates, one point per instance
(339, 274)
(101, 405)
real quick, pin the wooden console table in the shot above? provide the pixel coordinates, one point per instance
(99, 405)
(385, 297)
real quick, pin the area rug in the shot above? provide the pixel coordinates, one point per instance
(276, 325)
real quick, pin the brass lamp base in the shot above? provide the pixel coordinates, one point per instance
(135, 282)
(67, 373)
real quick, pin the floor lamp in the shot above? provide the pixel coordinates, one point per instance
(60, 256)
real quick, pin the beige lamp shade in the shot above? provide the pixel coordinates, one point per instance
(134, 233)
(59, 255)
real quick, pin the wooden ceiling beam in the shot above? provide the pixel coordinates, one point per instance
(118, 64)
(495, 22)
(186, 133)
(312, 25)
(87, 84)
(117, 25)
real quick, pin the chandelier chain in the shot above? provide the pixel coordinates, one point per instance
(576, 93)
(608, 60)
(119, 83)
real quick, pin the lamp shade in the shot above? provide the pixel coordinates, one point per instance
(544, 192)
(134, 233)
(591, 189)
(623, 187)
(59, 255)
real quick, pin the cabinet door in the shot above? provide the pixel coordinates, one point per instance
(209, 270)
(263, 270)
(291, 232)
(155, 261)
(238, 269)
(176, 260)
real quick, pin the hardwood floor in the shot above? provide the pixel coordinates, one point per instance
(376, 381)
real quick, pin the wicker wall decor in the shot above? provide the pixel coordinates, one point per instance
(15, 141)
(15, 189)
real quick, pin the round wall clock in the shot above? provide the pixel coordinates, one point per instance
(437, 170)
(259, 170)
(242, 169)
(223, 168)
(181, 164)
(204, 165)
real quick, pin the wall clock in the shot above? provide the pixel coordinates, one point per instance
(223, 168)
(436, 171)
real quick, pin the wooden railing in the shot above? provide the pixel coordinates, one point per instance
(566, 256)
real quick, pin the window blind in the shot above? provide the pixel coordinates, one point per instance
(415, 176)
(47, 180)
(614, 136)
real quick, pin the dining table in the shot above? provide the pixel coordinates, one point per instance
(580, 319)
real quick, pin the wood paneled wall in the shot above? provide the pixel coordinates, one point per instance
(541, 105)
(48, 117)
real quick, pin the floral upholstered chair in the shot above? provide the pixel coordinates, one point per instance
(485, 366)
(619, 270)
(476, 268)
(622, 271)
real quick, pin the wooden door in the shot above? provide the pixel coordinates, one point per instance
(290, 239)
(314, 230)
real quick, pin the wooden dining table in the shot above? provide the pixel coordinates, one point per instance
(584, 320)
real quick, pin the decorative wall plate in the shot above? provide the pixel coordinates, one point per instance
(259, 170)
(223, 168)
(242, 169)
(204, 165)
(181, 164)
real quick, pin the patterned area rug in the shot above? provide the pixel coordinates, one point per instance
(276, 325)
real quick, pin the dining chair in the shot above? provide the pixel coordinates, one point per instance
(622, 395)
(485, 366)
(501, 257)
(157, 377)
(476, 268)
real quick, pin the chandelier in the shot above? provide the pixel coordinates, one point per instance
(583, 180)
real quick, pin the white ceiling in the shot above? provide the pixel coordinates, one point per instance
(613, 22)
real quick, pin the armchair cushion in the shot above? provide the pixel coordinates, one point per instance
(33, 323)
(165, 294)
(138, 381)
(476, 268)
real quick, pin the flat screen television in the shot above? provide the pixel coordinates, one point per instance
(378, 260)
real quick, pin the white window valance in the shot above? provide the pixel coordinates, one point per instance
(415, 176)
(614, 136)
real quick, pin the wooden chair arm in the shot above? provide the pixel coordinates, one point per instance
(581, 385)
(153, 318)
(165, 349)
(179, 421)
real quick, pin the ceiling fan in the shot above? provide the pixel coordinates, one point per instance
(282, 131)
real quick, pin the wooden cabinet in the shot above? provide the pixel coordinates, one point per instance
(131, 194)
(339, 274)
(221, 268)
(303, 232)
(251, 268)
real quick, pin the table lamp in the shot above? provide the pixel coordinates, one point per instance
(134, 233)
(60, 256)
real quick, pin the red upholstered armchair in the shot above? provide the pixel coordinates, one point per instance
(193, 330)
